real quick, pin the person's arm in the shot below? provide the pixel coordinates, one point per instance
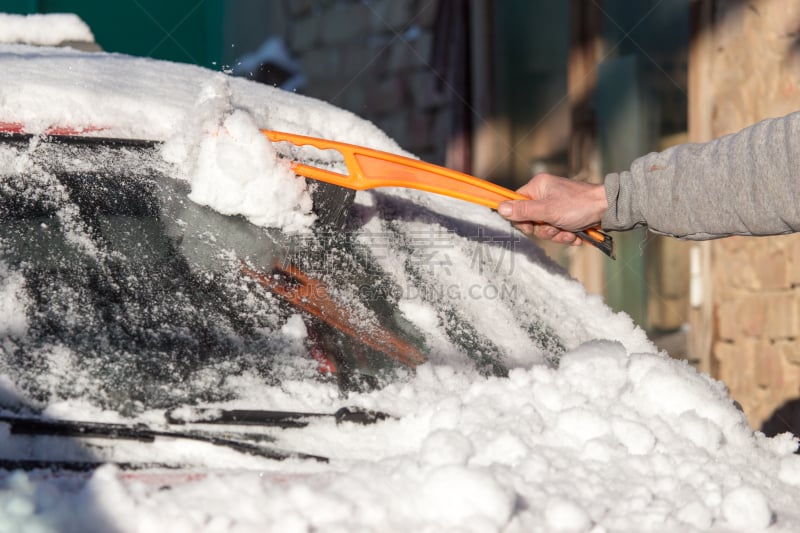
(747, 183)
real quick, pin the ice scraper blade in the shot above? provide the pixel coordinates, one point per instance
(370, 169)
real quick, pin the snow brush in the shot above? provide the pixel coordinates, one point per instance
(370, 169)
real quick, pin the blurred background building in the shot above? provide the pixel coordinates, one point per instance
(504, 89)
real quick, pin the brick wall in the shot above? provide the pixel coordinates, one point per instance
(755, 73)
(372, 58)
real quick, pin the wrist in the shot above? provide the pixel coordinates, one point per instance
(599, 201)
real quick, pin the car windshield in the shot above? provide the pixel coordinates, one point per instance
(140, 270)
(136, 297)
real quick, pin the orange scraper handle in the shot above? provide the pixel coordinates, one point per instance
(370, 169)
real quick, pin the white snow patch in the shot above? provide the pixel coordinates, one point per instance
(295, 328)
(747, 508)
(790, 470)
(562, 514)
(456, 496)
(43, 29)
(13, 303)
(237, 172)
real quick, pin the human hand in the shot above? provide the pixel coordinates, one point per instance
(559, 207)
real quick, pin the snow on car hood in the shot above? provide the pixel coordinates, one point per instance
(616, 437)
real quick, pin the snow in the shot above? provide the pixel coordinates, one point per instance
(12, 303)
(207, 120)
(746, 508)
(789, 472)
(488, 454)
(49, 29)
(237, 172)
(562, 514)
(295, 328)
(273, 52)
(616, 437)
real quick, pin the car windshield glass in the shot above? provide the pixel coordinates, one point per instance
(137, 297)
(132, 296)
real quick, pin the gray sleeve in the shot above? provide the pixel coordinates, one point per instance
(746, 183)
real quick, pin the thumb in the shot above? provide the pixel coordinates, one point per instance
(520, 210)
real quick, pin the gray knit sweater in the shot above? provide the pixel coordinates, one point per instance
(746, 183)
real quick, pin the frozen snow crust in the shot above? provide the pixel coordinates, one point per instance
(616, 438)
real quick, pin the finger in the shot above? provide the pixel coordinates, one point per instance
(529, 190)
(545, 231)
(520, 210)
(533, 187)
(525, 227)
(565, 237)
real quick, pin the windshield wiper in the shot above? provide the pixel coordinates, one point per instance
(263, 418)
(81, 140)
(31, 426)
(78, 466)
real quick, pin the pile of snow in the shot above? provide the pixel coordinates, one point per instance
(610, 441)
(616, 438)
(47, 30)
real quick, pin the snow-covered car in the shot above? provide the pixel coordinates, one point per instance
(192, 337)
